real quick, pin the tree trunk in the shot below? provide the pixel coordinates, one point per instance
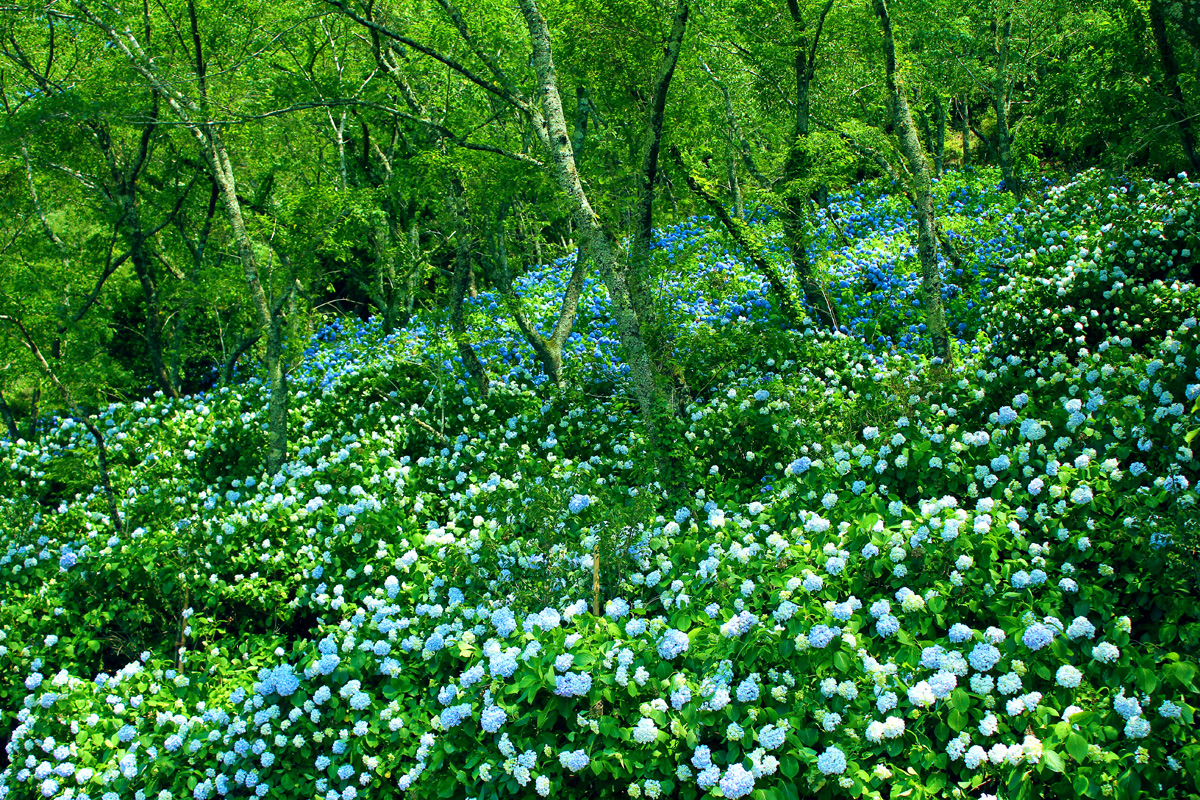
(1175, 103)
(918, 166)
(735, 188)
(644, 306)
(31, 427)
(547, 350)
(9, 421)
(796, 169)
(154, 319)
(268, 320)
(385, 274)
(277, 404)
(939, 151)
(965, 112)
(412, 269)
(925, 129)
(460, 284)
(737, 231)
(230, 364)
(600, 244)
(1000, 101)
(105, 476)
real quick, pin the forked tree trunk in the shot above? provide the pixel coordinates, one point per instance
(798, 166)
(549, 350)
(597, 240)
(918, 167)
(192, 117)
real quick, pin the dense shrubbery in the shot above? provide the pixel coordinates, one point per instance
(882, 578)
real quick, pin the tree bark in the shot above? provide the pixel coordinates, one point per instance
(638, 274)
(551, 128)
(918, 166)
(939, 150)
(460, 284)
(798, 165)
(1000, 101)
(9, 421)
(965, 113)
(737, 231)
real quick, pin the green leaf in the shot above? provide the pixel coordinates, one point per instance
(1182, 673)
(1077, 746)
(1053, 761)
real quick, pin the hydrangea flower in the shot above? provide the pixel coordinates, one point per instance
(832, 761)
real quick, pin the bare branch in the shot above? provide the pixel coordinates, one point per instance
(498, 91)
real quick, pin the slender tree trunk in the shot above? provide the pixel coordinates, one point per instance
(269, 320)
(1000, 100)
(277, 405)
(735, 188)
(797, 167)
(939, 151)
(925, 129)
(31, 427)
(145, 272)
(385, 289)
(105, 475)
(460, 285)
(412, 269)
(910, 147)
(9, 421)
(737, 231)
(230, 364)
(965, 112)
(600, 244)
(1175, 103)
(657, 338)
